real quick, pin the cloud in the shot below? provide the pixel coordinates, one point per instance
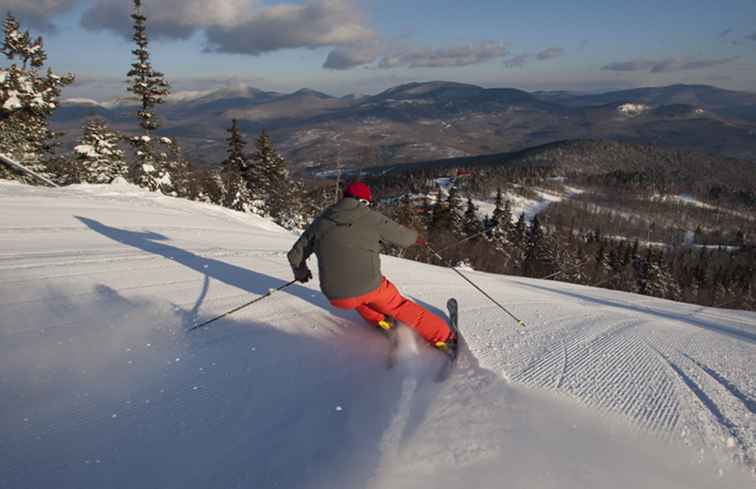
(518, 61)
(752, 37)
(682, 65)
(171, 19)
(523, 59)
(239, 26)
(36, 13)
(346, 57)
(471, 54)
(317, 23)
(634, 65)
(669, 65)
(723, 35)
(550, 53)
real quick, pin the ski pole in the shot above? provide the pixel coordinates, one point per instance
(520, 322)
(258, 299)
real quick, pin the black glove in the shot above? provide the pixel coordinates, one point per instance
(302, 274)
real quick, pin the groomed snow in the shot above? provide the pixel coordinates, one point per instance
(102, 385)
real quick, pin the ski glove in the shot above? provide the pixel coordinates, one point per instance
(302, 274)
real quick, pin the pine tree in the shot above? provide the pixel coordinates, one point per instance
(98, 156)
(150, 87)
(454, 205)
(178, 168)
(519, 240)
(256, 174)
(500, 223)
(502, 213)
(27, 99)
(471, 223)
(406, 213)
(237, 159)
(542, 252)
(273, 192)
(236, 194)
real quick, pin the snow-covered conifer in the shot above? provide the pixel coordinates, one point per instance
(235, 192)
(471, 224)
(150, 87)
(99, 156)
(27, 99)
(237, 159)
(269, 183)
(178, 168)
(144, 82)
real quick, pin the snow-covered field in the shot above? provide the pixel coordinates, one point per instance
(102, 386)
(524, 205)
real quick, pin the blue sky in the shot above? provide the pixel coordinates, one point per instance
(364, 46)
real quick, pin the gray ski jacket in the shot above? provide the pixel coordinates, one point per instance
(347, 239)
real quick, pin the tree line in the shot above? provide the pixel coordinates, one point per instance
(507, 244)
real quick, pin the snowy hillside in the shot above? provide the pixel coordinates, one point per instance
(103, 387)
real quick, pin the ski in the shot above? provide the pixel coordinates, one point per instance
(453, 310)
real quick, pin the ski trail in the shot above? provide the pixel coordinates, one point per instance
(632, 368)
(294, 393)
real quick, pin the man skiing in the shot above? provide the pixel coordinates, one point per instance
(347, 239)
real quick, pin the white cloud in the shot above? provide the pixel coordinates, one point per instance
(523, 59)
(173, 19)
(316, 23)
(36, 13)
(456, 56)
(240, 26)
(668, 65)
(346, 57)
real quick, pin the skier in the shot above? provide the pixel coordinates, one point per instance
(347, 239)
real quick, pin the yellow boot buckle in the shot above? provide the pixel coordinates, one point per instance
(384, 324)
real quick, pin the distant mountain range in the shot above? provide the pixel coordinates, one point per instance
(437, 120)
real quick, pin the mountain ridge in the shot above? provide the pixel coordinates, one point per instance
(434, 120)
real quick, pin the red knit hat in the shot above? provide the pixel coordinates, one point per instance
(359, 190)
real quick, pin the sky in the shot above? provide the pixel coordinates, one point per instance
(365, 46)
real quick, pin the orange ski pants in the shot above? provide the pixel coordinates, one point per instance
(386, 301)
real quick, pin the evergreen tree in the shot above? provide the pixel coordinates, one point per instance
(500, 223)
(178, 168)
(237, 159)
(601, 262)
(519, 240)
(257, 173)
(273, 192)
(471, 224)
(406, 213)
(99, 158)
(502, 213)
(150, 87)
(542, 254)
(454, 206)
(236, 194)
(27, 99)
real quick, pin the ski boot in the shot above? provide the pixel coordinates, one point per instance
(386, 324)
(448, 346)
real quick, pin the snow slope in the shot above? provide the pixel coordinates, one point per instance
(102, 386)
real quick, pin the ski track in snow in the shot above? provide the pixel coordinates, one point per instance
(98, 285)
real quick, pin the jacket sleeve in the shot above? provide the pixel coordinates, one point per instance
(302, 249)
(394, 233)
